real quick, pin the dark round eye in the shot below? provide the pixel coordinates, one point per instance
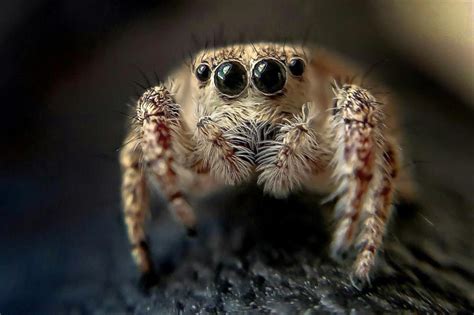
(203, 72)
(231, 78)
(269, 76)
(296, 66)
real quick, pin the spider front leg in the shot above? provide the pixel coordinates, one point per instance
(358, 143)
(295, 153)
(152, 147)
(164, 145)
(377, 211)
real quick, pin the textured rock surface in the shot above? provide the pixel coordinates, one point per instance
(268, 256)
(258, 255)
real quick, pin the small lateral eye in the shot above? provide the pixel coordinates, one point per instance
(296, 66)
(203, 72)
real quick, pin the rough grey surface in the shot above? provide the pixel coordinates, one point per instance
(260, 255)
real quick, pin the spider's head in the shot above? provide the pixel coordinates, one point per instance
(261, 77)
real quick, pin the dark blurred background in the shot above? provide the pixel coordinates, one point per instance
(68, 70)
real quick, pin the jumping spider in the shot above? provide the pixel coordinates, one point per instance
(273, 113)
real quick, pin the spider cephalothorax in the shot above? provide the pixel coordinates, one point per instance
(270, 113)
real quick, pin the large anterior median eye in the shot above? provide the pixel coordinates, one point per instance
(269, 76)
(231, 78)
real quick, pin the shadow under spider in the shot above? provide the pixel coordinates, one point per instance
(251, 221)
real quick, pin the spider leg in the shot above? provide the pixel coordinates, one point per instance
(296, 152)
(151, 148)
(135, 203)
(162, 137)
(377, 211)
(356, 124)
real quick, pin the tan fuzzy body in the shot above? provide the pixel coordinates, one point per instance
(317, 130)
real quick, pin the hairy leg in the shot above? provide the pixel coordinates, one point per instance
(377, 212)
(151, 147)
(135, 202)
(162, 137)
(287, 160)
(356, 124)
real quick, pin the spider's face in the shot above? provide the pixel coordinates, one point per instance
(258, 77)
